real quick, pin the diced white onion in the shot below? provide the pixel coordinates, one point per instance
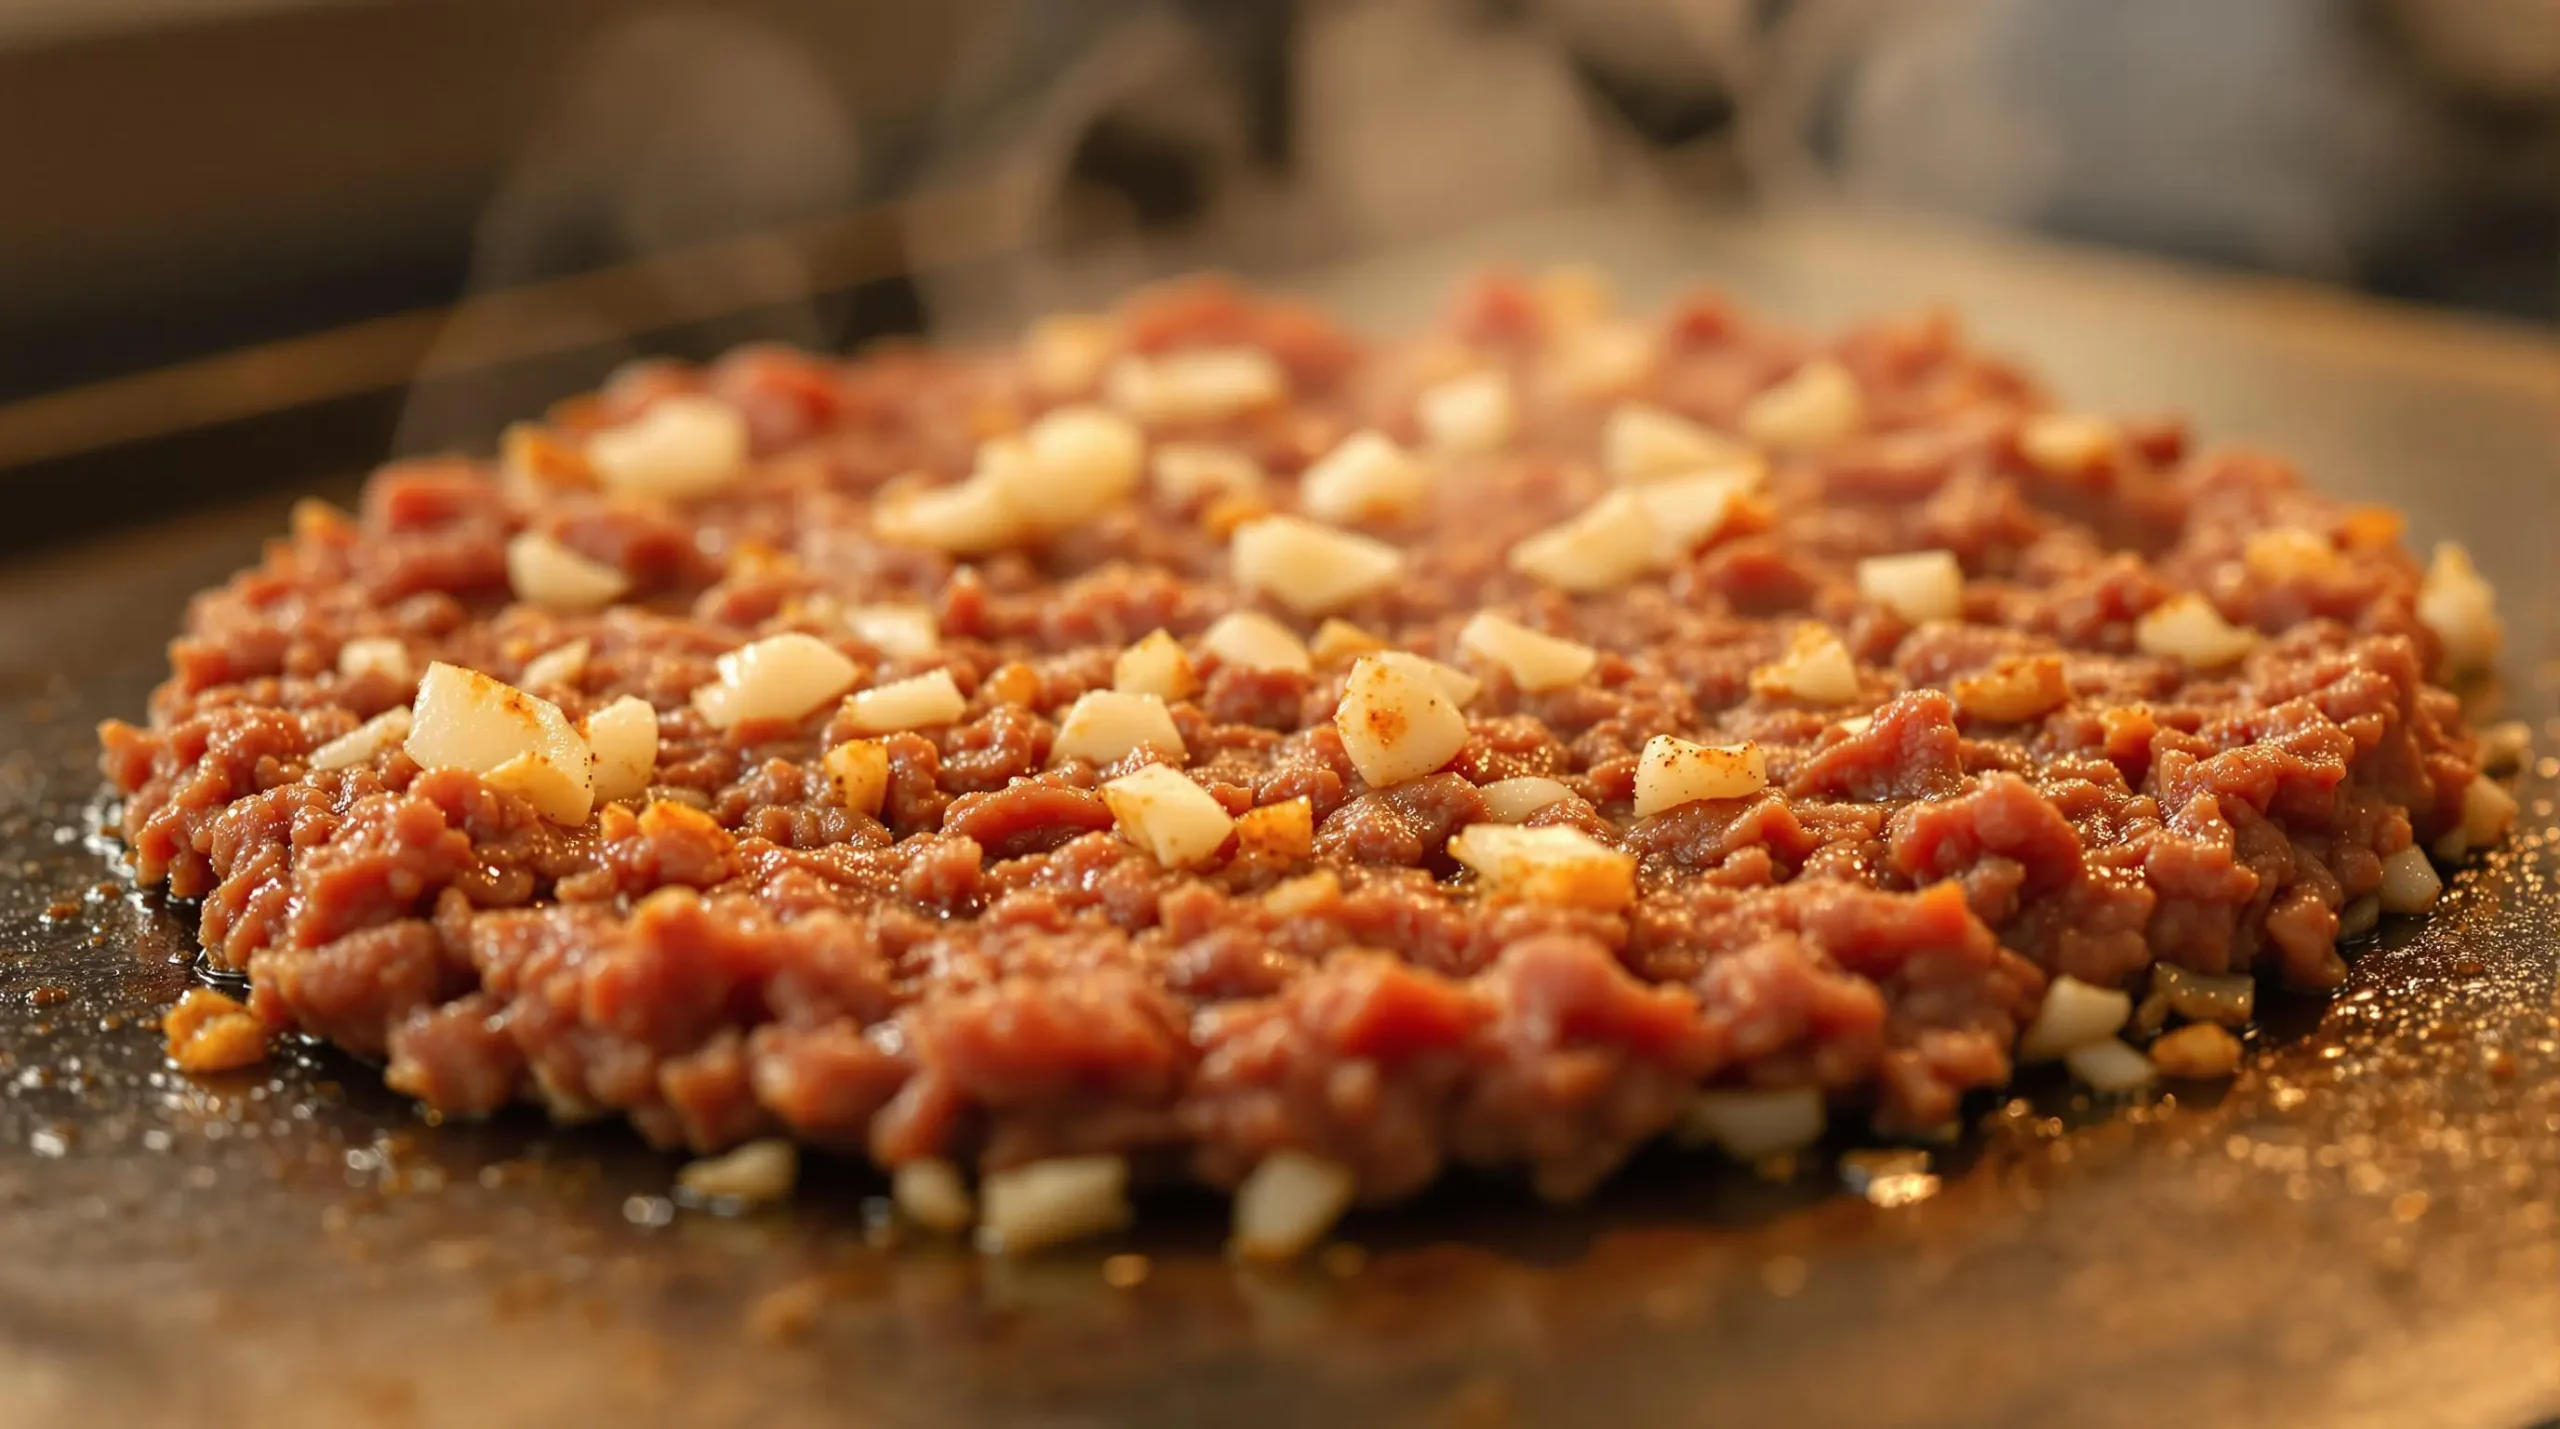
(1690, 511)
(1643, 444)
(1103, 726)
(1158, 666)
(1251, 640)
(757, 1172)
(1081, 462)
(1312, 569)
(1163, 812)
(1815, 407)
(1459, 686)
(1395, 722)
(1751, 1124)
(1534, 659)
(925, 701)
(1467, 415)
(2410, 884)
(931, 1193)
(781, 677)
(365, 743)
(561, 665)
(859, 768)
(1051, 1202)
(624, 738)
(379, 655)
(902, 632)
(682, 446)
(2457, 604)
(1673, 771)
(1367, 478)
(2110, 1066)
(466, 720)
(2068, 443)
(1511, 800)
(1816, 669)
(1919, 586)
(1557, 864)
(2017, 688)
(1200, 385)
(543, 572)
(1191, 472)
(1605, 545)
(970, 518)
(1603, 359)
(2187, 628)
(1064, 353)
(2073, 1013)
(1288, 1203)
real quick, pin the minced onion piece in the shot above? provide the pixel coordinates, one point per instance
(2200, 1052)
(931, 1193)
(1534, 659)
(903, 632)
(2187, 628)
(1605, 545)
(1286, 830)
(1816, 406)
(1338, 640)
(1050, 1202)
(623, 736)
(2462, 609)
(970, 518)
(1365, 478)
(1158, 666)
(1673, 771)
(757, 1172)
(1203, 384)
(2068, 443)
(1816, 669)
(1643, 444)
(1453, 682)
(1689, 511)
(1288, 1203)
(2073, 1013)
(1919, 586)
(518, 742)
(859, 768)
(924, 701)
(1751, 1124)
(559, 665)
(1511, 800)
(1468, 415)
(1395, 722)
(2108, 1065)
(1162, 811)
(366, 742)
(1064, 353)
(1072, 465)
(1188, 472)
(376, 655)
(546, 573)
(1603, 359)
(1104, 726)
(2288, 553)
(2205, 997)
(1250, 640)
(682, 446)
(2017, 688)
(2487, 812)
(781, 677)
(1312, 569)
(2410, 884)
(1557, 864)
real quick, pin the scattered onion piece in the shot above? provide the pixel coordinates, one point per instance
(1919, 586)
(1558, 864)
(1510, 801)
(1288, 1203)
(1467, 416)
(1815, 407)
(2188, 629)
(1162, 811)
(1816, 669)
(1189, 473)
(681, 447)
(1158, 666)
(2110, 1066)
(1673, 771)
(558, 667)
(1046, 1203)
(2410, 884)
(466, 720)
(1311, 569)
(1105, 726)
(365, 743)
(1604, 546)
(1534, 659)
(2069, 443)
(624, 738)
(925, 701)
(546, 573)
(1367, 478)
(1752, 1124)
(2073, 1013)
(779, 678)
(1198, 385)
(1396, 723)
(376, 655)
(1250, 640)
(859, 768)
(932, 1194)
(756, 1173)
(2461, 608)
(1643, 444)
(902, 632)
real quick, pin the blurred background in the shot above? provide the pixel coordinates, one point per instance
(266, 241)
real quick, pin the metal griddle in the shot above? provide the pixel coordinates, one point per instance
(2365, 1229)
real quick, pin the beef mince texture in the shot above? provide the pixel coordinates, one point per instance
(988, 970)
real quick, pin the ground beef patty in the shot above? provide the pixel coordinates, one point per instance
(2131, 704)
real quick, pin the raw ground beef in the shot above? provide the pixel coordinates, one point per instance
(987, 972)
